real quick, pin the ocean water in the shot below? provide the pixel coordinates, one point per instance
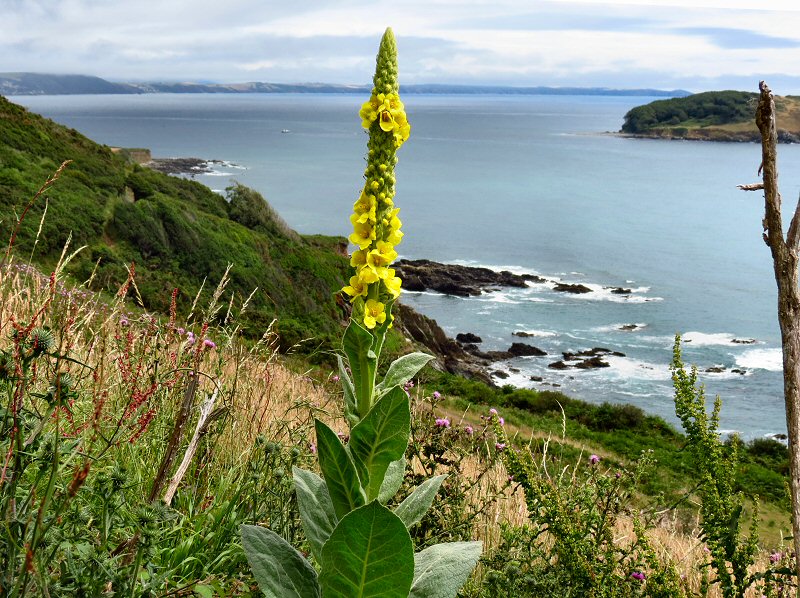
(529, 184)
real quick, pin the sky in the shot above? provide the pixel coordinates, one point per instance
(665, 44)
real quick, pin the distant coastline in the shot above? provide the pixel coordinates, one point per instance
(18, 84)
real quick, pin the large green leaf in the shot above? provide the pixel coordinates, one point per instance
(392, 480)
(281, 571)
(350, 407)
(416, 504)
(401, 371)
(441, 570)
(338, 470)
(316, 508)
(357, 343)
(369, 555)
(380, 438)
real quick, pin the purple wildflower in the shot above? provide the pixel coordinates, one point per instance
(209, 343)
(468, 429)
(594, 459)
(442, 422)
(638, 575)
(335, 378)
(492, 411)
(312, 446)
(437, 395)
(500, 446)
(775, 557)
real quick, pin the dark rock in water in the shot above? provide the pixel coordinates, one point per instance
(513, 370)
(468, 337)
(558, 365)
(596, 352)
(453, 279)
(500, 374)
(620, 291)
(498, 355)
(592, 363)
(715, 369)
(738, 371)
(571, 288)
(523, 350)
(536, 379)
(744, 341)
(629, 327)
(522, 334)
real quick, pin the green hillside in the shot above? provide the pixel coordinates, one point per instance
(178, 232)
(711, 115)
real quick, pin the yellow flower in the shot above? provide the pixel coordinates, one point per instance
(374, 313)
(383, 255)
(393, 283)
(394, 237)
(368, 275)
(365, 203)
(363, 233)
(356, 288)
(359, 258)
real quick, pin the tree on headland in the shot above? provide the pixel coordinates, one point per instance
(785, 252)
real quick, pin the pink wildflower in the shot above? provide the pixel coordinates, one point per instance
(468, 429)
(442, 422)
(594, 459)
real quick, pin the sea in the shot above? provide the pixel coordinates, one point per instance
(529, 184)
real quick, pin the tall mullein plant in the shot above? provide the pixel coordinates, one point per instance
(361, 547)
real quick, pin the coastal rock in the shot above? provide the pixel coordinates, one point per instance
(522, 334)
(450, 356)
(716, 369)
(500, 374)
(619, 290)
(453, 279)
(744, 341)
(738, 371)
(525, 350)
(592, 363)
(536, 379)
(566, 287)
(558, 365)
(629, 327)
(468, 337)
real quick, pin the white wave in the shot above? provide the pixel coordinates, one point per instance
(217, 173)
(497, 297)
(519, 270)
(604, 293)
(629, 368)
(228, 164)
(537, 300)
(708, 339)
(761, 359)
(619, 327)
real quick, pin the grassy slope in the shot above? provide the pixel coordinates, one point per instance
(714, 115)
(178, 232)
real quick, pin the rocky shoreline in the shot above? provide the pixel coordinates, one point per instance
(186, 166)
(464, 355)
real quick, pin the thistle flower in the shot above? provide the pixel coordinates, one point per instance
(376, 225)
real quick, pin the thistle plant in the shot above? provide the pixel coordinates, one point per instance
(361, 547)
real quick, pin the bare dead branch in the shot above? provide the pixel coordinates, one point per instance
(751, 187)
(793, 236)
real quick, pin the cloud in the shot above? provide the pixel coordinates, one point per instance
(628, 43)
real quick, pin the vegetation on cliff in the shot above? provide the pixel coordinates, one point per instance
(712, 115)
(177, 232)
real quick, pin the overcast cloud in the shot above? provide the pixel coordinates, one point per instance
(633, 43)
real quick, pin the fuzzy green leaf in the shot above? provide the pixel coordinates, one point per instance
(380, 438)
(369, 555)
(357, 343)
(401, 371)
(350, 406)
(338, 470)
(441, 570)
(281, 571)
(316, 508)
(392, 480)
(416, 504)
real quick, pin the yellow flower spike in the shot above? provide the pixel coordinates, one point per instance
(364, 203)
(356, 288)
(374, 313)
